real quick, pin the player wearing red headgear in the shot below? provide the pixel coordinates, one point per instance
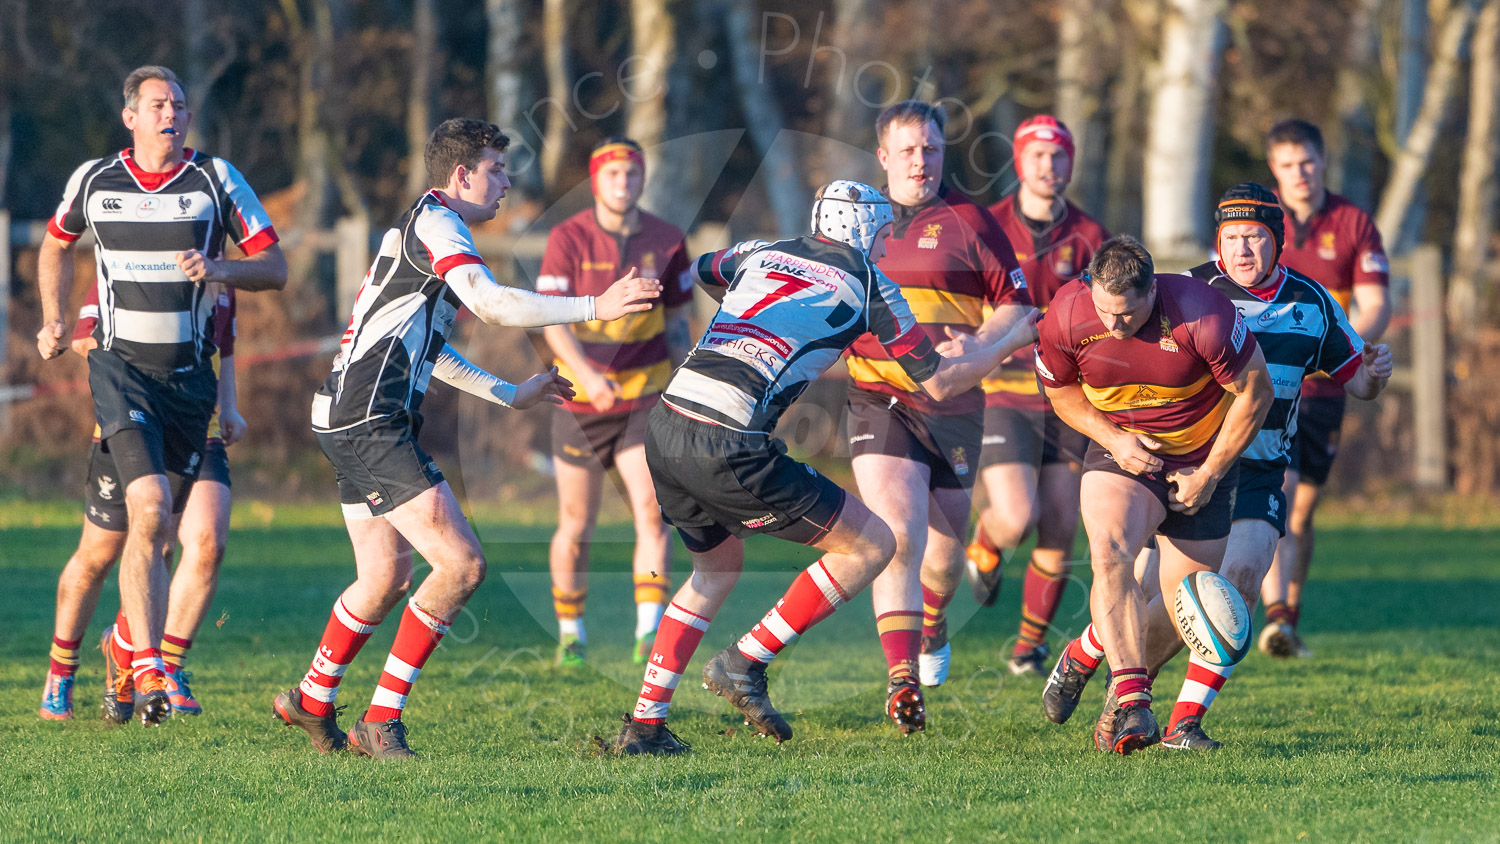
(1031, 462)
(618, 370)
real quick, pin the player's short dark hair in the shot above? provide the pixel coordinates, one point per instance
(140, 75)
(616, 139)
(1295, 132)
(459, 141)
(1122, 264)
(910, 111)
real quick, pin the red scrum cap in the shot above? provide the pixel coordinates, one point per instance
(1043, 127)
(616, 149)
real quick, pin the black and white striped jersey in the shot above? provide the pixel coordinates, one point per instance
(1301, 330)
(150, 314)
(402, 317)
(791, 309)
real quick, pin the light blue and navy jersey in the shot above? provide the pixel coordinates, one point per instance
(1302, 330)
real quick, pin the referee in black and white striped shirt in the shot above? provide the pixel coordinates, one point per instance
(160, 214)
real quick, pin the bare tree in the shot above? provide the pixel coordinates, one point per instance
(559, 98)
(1081, 95)
(1411, 162)
(1352, 142)
(211, 49)
(851, 118)
(507, 84)
(653, 35)
(424, 67)
(1477, 192)
(1179, 144)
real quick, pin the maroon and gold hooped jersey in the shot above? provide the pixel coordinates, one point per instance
(1166, 379)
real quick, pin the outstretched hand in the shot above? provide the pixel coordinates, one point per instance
(547, 387)
(631, 293)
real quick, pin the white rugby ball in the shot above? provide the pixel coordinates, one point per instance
(1212, 618)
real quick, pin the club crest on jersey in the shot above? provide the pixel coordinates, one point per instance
(648, 265)
(1237, 336)
(1167, 343)
(1018, 278)
(1374, 262)
(1327, 248)
(960, 461)
(1064, 264)
(930, 234)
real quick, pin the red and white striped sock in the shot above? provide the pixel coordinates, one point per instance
(119, 643)
(1086, 650)
(345, 634)
(416, 639)
(813, 596)
(1199, 689)
(147, 663)
(677, 637)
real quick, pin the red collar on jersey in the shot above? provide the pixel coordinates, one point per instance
(1265, 292)
(154, 181)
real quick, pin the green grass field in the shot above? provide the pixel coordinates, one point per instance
(1390, 733)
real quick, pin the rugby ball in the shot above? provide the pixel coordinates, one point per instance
(1212, 618)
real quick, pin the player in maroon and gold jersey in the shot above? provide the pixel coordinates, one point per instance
(1333, 242)
(1031, 462)
(618, 370)
(1162, 374)
(914, 457)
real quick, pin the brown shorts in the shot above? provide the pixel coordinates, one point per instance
(948, 445)
(595, 439)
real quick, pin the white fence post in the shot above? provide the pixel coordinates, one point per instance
(351, 259)
(1429, 368)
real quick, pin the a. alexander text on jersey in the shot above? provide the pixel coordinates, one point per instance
(791, 309)
(582, 259)
(1301, 330)
(402, 317)
(951, 259)
(1165, 380)
(1339, 248)
(1051, 253)
(150, 314)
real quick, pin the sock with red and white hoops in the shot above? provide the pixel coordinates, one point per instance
(1199, 689)
(676, 639)
(1086, 650)
(416, 639)
(813, 596)
(345, 634)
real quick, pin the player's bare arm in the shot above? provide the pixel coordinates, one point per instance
(601, 390)
(265, 270)
(1253, 394)
(232, 426)
(955, 375)
(1374, 372)
(55, 278)
(1132, 451)
(1371, 314)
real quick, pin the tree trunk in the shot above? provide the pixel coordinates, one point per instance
(851, 118)
(1352, 142)
(1179, 143)
(506, 90)
(1080, 98)
(1467, 298)
(559, 101)
(785, 187)
(1406, 171)
(424, 67)
(653, 35)
(1122, 208)
(210, 52)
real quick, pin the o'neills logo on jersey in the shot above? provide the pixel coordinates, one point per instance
(147, 207)
(597, 265)
(929, 238)
(1167, 343)
(1092, 337)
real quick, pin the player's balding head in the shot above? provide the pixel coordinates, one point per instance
(1122, 265)
(459, 141)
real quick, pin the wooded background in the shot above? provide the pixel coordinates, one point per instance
(744, 108)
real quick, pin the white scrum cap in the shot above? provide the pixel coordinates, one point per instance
(851, 213)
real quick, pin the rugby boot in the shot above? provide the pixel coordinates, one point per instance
(643, 646)
(742, 681)
(983, 568)
(1031, 662)
(638, 739)
(905, 706)
(1187, 734)
(383, 741)
(1064, 688)
(935, 657)
(1300, 650)
(1135, 729)
(119, 685)
(1104, 728)
(57, 698)
(180, 696)
(1276, 640)
(570, 650)
(322, 730)
(156, 706)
